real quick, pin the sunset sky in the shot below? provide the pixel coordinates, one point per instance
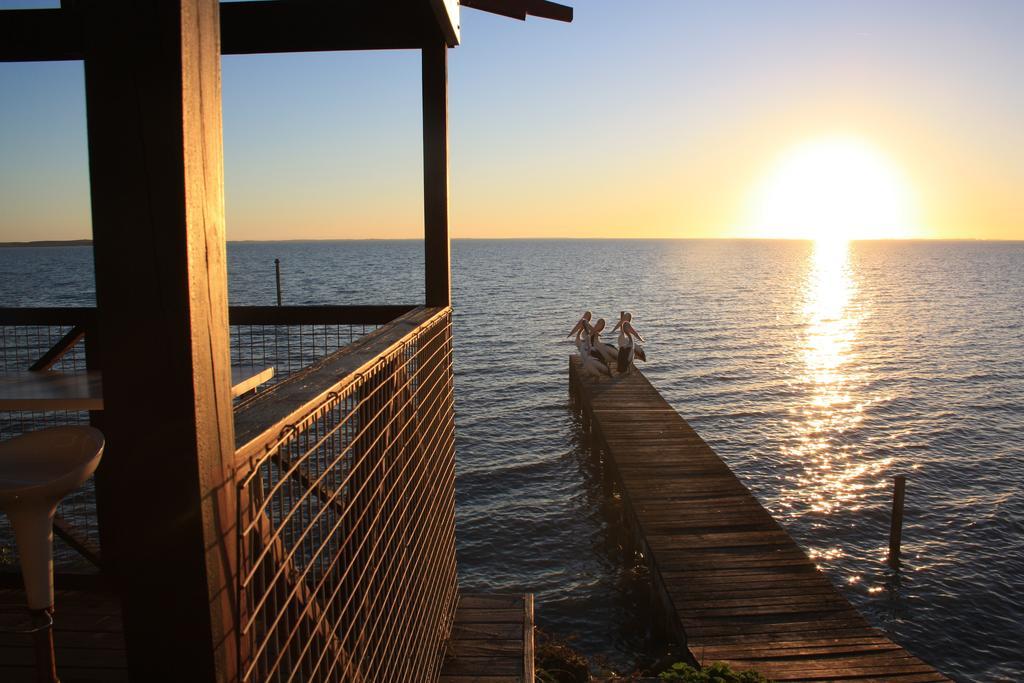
(652, 119)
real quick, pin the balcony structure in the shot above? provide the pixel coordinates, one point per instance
(303, 531)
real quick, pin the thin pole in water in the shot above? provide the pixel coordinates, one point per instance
(896, 526)
(277, 272)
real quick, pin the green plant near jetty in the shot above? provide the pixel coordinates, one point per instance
(716, 673)
(557, 661)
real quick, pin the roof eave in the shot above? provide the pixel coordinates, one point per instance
(447, 13)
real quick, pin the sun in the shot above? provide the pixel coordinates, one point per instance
(834, 188)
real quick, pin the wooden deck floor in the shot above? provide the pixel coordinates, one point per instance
(492, 640)
(88, 636)
(732, 581)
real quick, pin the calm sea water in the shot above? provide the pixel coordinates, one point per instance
(817, 371)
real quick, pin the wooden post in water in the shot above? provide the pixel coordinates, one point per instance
(277, 275)
(896, 525)
(573, 397)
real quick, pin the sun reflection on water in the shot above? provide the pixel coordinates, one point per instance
(834, 472)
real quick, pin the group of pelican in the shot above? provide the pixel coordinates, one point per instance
(599, 357)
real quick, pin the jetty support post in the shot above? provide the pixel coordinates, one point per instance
(165, 493)
(896, 523)
(574, 395)
(436, 247)
(277, 278)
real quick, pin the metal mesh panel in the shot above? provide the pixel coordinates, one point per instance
(346, 528)
(20, 347)
(290, 348)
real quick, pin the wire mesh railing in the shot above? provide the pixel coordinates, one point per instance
(291, 338)
(288, 339)
(49, 339)
(21, 347)
(346, 568)
(290, 348)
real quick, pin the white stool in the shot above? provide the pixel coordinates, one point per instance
(37, 470)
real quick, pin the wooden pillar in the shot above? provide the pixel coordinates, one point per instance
(437, 254)
(153, 94)
(896, 522)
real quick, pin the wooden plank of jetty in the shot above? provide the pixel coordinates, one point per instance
(734, 585)
(492, 640)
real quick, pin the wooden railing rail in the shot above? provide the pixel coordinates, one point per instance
(49, 315)
(237, 315)
(315, 315)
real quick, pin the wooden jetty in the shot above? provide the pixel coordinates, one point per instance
(732, 583)
(492, 640)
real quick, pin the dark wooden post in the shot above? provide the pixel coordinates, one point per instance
(436, 249)
(153, 94)
(572, 386)
(896, 523)
(277, 277)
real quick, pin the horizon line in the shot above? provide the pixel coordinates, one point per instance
(88, 241)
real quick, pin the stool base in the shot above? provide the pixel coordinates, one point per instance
(42, 638)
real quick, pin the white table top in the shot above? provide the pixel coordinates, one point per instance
(51, 390)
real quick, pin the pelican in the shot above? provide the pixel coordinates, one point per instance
(628, 350)
(592, 363)
(582, 327)
(604, 352)
(640, 353)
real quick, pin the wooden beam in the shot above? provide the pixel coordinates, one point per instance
(47, 316)
(58, 350)
(529, 663)
(153, 102)
(544, 9)
(512, 10)
(316, 315)
(520, 9)
(248, 28)
(437, 256)
(289, 26)
(38, 35)
(447, 14)
(238, 315)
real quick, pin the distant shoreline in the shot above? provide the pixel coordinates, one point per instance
(49, 243)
